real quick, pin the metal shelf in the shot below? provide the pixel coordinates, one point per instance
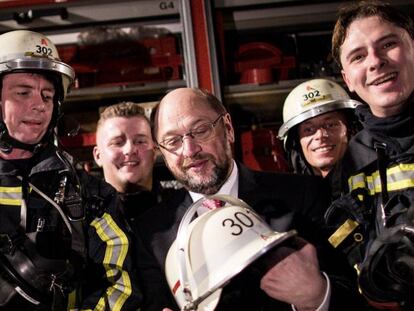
(260, 104)
(70, 14)
(105, 92)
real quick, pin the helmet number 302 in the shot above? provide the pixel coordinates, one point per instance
(311, 95)
(238, 222)
(43, 50)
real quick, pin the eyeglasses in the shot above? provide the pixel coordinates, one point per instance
(311, 129)
(199, 134)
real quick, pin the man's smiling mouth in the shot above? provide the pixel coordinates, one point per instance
(383, 79)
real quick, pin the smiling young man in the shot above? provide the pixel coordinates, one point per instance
(318, 122)
(374, 44)
(324, 140)
(124, 147)
(126, 152)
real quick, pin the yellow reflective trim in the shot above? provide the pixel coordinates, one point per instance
(357, 185)
(399, 177)
(401, 167)
(403, 184)
(72, 300)
(11, 196)
(117, 242)
(101, 305)
(14, 202)
(342, 232)
(356, 181)
(125, 289)
(11, 189)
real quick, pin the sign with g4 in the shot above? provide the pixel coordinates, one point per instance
(166, 5)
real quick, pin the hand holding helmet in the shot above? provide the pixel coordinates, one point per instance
(295, 278)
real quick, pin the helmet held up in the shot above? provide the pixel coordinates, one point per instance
(214, 248)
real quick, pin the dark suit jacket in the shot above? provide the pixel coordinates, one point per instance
(285, 201)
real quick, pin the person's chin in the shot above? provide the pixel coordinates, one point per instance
(325, 163)
(33, 141)
(199, 174)
(130, 178)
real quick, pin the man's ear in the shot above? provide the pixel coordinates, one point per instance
(156, 152)
(346, 81)
(97, 156)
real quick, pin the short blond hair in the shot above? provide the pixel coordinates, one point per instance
(123, 110)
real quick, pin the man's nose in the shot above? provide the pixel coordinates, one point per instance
(375, 60)
(38, 102)
(321, 132)
(130, 148)
(190, 146)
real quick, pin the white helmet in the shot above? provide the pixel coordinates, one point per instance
(24, 50)
(310, 99)
(215, 247)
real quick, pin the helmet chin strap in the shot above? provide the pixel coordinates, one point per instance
(7, 143)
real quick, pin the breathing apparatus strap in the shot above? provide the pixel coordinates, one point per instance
(23, 207)
(53, 203)
(7, 143)
(70, 195)
(382, 214)
(73, 203)
(76, 214)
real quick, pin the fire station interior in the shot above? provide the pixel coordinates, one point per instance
(249, 53)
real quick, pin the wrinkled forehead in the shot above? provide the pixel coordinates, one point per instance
(180, 109)
(22, 77)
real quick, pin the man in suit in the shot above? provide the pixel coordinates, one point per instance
(195, 135)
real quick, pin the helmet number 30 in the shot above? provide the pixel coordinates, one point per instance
(43, 50)
(238, 223)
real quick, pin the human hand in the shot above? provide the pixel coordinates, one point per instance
(166, 309)
(296, 279)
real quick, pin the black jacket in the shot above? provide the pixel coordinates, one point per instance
(104, 250)
(282, 200)
(377, 181)
(396, 132)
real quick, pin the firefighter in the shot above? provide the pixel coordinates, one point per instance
(61, 242)
(373, 222)
(318, 122)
